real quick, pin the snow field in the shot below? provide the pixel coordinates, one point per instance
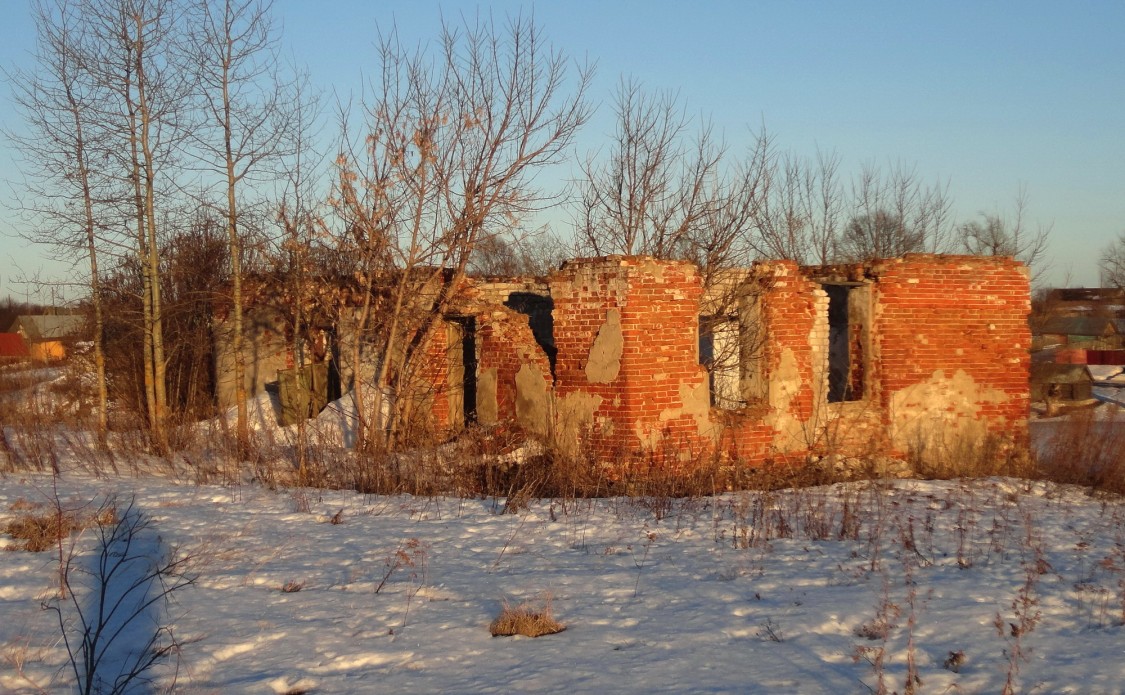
(788, 592)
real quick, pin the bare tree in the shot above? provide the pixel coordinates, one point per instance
(247, 116)
(663, 191)
(894, 214)
(536, 255)
(1112, 263)
(799, 205)
(994, 235)
(451, 143)
(134, 56)
(113, 69)
(309, 298)
(57, 100)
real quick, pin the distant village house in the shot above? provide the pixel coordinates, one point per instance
(47, 335)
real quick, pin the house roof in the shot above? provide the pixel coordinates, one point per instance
(1080, 325)
(1051, 373)
(1086, 294)
(34, 328)
(12, 345)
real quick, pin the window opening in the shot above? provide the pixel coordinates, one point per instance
(463, 369)
(538, 310)
(720, 352)
(846, 341)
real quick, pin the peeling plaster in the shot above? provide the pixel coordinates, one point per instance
(575, 415)
(785, 383)
(940, 409)
(605, 354)
(487, 408)
(695, 401)
(532, 401)
(653, 269)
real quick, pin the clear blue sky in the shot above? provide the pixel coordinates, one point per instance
(988, 96)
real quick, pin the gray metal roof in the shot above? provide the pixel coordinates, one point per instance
(48, 326)
(1052, 373)
(1080, 325)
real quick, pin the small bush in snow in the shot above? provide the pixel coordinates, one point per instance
(40, 531)
(525, 620)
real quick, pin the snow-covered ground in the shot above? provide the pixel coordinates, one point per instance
(823, 590)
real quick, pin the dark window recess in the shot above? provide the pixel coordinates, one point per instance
(335, 385)
(845, 344)
(467, 331)
(538, 310)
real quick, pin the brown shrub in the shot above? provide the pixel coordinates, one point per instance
(962, 456)
(525, 620)
(39, 532)
(1083, 450)
(42, 531)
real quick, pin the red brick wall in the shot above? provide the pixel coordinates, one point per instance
(505, 343)
(658, 304)
(790, 304)
(956, 314)
(958, 322)
(661, 356)
(435, 377)
(948, 341)
(583, 293)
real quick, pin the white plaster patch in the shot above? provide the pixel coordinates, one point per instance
(575, 414)
(532, 403)
(604, 363)
(785, 382)
(940, 410)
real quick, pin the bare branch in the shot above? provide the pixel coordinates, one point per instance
(452, 141)
(994, 235)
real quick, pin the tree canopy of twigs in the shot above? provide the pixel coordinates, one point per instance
(669, 189)
(996, 235)
(895, 213)
(1112, 263)
(450, 141)
(663, 190)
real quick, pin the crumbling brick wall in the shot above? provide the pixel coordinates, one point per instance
(507, 346)
(504, 346)
(953, 348)
(628, 373)
(793, 332)
(938, 353)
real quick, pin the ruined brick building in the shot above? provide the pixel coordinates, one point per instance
(634, 357)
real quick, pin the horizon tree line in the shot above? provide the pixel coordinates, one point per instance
(172, 153)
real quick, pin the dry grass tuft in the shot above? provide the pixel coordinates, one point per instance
(39, 532)
(954, 661)
(1084, 450)
(966, 456)
(42, 531)
(22, 505)
(525, 620)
